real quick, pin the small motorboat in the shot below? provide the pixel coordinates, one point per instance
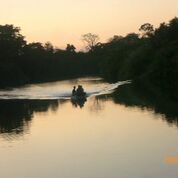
(79, 97)
(78, 100)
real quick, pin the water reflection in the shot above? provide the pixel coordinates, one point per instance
(78, 102)
(16, 115)
(149, 98)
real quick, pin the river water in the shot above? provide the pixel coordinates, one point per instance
(114, 134)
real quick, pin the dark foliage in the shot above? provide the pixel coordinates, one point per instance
(151, 56)
(22, 63)
(147, 97)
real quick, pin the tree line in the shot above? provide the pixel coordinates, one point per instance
(151, 56)
(22, 62)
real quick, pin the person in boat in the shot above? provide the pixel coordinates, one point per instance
(74, 91)
(80, 91)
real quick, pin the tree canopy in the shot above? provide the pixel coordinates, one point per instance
(149, 56)
(91, 40)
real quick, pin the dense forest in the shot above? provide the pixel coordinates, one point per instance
(22, 62)
(150, 56)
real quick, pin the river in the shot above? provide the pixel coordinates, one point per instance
(115, 133)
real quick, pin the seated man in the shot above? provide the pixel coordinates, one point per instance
(74, 91)
(80, 91)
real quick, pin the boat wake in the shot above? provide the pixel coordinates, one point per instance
(59, 90)
(108, 89)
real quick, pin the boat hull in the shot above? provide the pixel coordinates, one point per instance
(78, 98)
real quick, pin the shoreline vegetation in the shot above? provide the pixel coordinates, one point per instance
(148, 57)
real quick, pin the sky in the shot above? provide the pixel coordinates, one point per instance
(65, 21)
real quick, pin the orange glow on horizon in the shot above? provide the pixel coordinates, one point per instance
(62, 22)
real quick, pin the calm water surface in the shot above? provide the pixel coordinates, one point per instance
(45, 135)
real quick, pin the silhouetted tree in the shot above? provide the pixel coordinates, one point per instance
(132, 36)
(147, 30)
(115, 38)
(91, 40)
(70, 48)
(49, 47)
(153, 58)
(11, 42)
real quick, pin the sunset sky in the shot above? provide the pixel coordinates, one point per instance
(64, 21)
